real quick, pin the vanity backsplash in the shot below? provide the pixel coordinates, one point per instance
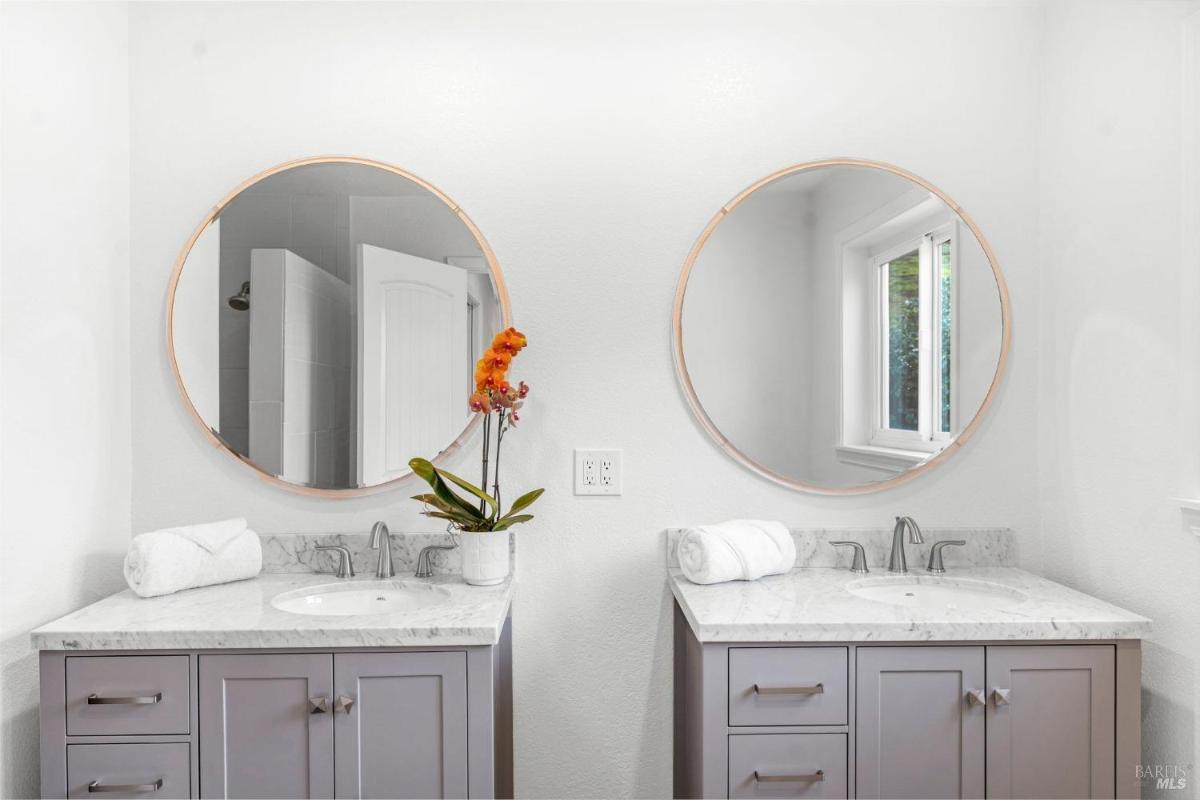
(985, 547)
(296, 552)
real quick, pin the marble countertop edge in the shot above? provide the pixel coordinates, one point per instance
(240, 615)
(925, 632)
(811, 604)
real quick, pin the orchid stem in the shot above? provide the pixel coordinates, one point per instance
(499, 438)
(487, 426)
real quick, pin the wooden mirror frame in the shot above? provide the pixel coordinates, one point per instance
(212, 435)
(711, 429)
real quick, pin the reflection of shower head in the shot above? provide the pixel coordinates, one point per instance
(241, 300)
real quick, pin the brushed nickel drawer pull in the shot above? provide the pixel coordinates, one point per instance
(811, 777)
(125, 788)
(818, 689)
(145, 700)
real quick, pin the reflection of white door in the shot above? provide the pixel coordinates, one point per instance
(412, 369)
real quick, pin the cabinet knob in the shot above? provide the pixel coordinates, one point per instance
(975, 697)
(318, 705)
(343, 703)
(1000, 697)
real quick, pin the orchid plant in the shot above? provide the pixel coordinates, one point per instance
(499, 402)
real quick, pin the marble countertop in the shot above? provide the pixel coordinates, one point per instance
(240, 614)
(812, 604)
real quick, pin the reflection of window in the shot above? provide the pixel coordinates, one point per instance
(915, 345)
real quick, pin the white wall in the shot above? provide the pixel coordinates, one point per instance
(64, 337)
(1111, 239)
(590, 143)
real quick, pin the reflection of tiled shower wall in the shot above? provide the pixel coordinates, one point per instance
(300, 371)
(315, 227)
(318, 355)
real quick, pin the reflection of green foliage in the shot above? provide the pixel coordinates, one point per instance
(904, 302)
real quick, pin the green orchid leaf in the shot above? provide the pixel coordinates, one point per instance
(473, 489)
(524, 501)
(508, 522)
(452, 512)
(430, 474)
(461, 522)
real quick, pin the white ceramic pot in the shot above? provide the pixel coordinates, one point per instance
(484, 557)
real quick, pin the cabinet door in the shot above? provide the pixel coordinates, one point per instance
(1051, 721)
(405, 732)
(260, 736)
(918, 732)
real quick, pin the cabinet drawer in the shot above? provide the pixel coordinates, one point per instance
(128, 770)
(787, 765)
(787, 686)
(127, 695)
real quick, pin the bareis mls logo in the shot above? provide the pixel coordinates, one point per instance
(1163, 776)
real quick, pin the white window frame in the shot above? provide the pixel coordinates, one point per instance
(927, 437)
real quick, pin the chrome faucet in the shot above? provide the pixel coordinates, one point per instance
(898, 563)
(381, 540)
(424, 568)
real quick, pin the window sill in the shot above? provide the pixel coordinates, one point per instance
(885, 459)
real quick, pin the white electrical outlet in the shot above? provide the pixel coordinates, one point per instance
(597, 472)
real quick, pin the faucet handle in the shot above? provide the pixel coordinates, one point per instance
(424, 566)
(859, 564)
(935, 554)
(345, 568)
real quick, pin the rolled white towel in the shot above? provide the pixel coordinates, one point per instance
(738, 550)
(174, 559)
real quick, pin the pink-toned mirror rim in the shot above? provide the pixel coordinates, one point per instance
(210, 434)
(710, 427)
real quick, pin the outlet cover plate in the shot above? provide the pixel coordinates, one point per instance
(597, 472)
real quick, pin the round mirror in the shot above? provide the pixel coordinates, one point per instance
(324, 320)
(840, 326)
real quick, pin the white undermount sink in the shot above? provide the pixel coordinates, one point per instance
(935, 593)
(355, 598)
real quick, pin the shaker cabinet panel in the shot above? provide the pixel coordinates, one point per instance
(1051, 721)
(262, 730)
(401, 725)
(919, 732)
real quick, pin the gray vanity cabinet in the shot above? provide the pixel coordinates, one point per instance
(259, 735)
(918, 733)
(1054, 733)
(354, 722)
(350, 725)
(347, 725)
(1045, 719)
(403, 732)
